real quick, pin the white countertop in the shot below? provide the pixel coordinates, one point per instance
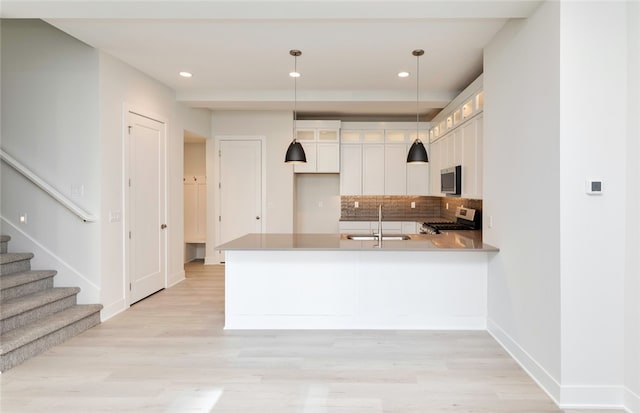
(447, 241)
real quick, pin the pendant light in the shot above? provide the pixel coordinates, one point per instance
(417, 152)
(295, 152)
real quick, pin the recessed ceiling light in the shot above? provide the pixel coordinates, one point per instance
(294, 74)
(403, 74)
(185, 74)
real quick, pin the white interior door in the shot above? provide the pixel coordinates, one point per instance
(240, 189)
(145, 207)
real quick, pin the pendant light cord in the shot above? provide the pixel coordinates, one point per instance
(418, 98)
(295, 95)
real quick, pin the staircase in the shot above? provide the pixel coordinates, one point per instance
(35, 316)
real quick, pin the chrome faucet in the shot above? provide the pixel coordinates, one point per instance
(379, 234)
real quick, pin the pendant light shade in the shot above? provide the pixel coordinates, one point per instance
(295, 151)
(417, 151)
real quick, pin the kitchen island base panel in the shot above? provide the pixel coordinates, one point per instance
(355, 290)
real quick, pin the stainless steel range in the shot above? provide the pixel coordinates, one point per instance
(466, 219)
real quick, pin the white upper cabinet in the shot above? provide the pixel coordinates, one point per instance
(373, 169)
(472, 158)
(457, 140)
(395, 169)
(374, 161)
(351, 170)
(321, 143)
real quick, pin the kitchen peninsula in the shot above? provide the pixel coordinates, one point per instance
(327, 281)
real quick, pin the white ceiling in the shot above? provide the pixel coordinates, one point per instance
(238, 51)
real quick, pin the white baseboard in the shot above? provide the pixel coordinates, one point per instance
(592, 397)
(113, 309)
(631, 401)
(538, 373)
(174, 279)
(566, 396)
(211, 260)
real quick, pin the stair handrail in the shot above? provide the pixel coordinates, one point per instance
(50, 190)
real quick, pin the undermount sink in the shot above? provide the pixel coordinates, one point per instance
(375, 237)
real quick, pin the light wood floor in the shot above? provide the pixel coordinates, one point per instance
(169, 353)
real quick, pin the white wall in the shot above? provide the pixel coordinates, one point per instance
(122, 86)
(317, 203)
(522, 193)
(50, 123)
(561, 106)
(593, 70)
(632, 279)
(195, 120)
(276, 127)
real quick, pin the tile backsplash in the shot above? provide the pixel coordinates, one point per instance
(398, 208)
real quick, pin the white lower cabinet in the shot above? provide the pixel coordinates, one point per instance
(355, 227)
(370, 227)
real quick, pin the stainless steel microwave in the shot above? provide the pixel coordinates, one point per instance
(451, 180)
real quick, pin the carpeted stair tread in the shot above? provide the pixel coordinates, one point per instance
(14, 257)
(20, 336)
(18, 305)
(20, 278)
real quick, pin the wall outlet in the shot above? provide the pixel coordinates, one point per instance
(320, 204)
(413, 204)
(356, 204)
(490, 221)
(23, 218)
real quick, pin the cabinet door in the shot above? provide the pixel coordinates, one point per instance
(395, 169)
(351, 169)
(328, 157)
(457, 148)
(328, 135)
(418, 173)
(310, 153)
(372, 169)
(201, 210)
(469, 165)
(355, 227)
(409, 227)
(451, 148)
(190, 209)
(435, 164)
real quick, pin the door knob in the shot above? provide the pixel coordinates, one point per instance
(258, 217)
(163, 226)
